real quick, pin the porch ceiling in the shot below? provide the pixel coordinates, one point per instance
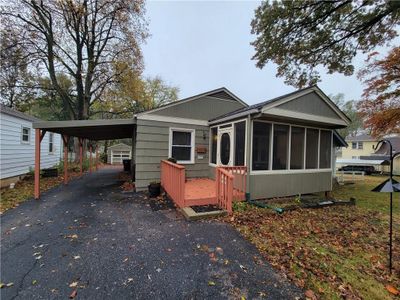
(91, 129)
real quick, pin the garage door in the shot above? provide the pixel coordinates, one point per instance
(118, 156)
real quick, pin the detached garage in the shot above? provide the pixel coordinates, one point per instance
(117, 153)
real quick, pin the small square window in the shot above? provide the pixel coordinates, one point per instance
(182, 145)
(353, 145)
(26, 135)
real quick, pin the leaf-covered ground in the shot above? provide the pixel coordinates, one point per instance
(24, 190)
(336, 252)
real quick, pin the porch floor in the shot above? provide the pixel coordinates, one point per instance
(202, 191)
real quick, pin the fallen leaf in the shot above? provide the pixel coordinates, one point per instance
(211, 283)
(310, 295)
(9, 284)
(77, 257)
(34, 281)
(130, 280)
(73, 284)
(73, 294)
(391, 289)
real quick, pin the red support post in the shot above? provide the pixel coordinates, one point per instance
(80, 157)
(65, 139)
(97, 157)
(90, 158)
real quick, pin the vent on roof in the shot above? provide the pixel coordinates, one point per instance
(222, 95)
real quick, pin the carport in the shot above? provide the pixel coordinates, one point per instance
(90, 130)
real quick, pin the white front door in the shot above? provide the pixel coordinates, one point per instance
(225, 146)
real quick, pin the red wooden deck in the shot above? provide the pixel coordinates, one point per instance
(202, 191)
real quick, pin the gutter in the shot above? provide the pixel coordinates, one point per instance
(235, 116)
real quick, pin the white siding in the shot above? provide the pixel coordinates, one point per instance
(17, 157)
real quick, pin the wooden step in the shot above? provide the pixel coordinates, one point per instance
(190, 214)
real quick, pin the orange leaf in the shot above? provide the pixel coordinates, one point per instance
(391, 289)
(73, 294)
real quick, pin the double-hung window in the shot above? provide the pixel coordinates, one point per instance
(51, 142)
(182, 145)
(26, 135)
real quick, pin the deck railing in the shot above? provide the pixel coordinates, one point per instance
(239, 181)
(173, 181)
(224, 188)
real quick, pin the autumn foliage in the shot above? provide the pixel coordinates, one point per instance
(380, 106)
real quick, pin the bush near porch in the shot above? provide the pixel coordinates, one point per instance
(335, 252)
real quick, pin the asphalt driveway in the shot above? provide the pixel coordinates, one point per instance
(91, 238)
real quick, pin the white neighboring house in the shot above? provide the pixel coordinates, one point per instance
(17, 146)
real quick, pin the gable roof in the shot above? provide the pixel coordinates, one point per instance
(259, 107)
(361, 138)
(222, 93)
(119, 145)
(15, 113)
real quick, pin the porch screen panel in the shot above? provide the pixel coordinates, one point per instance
(297, 148)
(325, 149)
(281, 147)
(261, 142)
(240, 137)
(312, 148)
(214, 138)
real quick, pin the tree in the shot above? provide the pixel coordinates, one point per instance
(301, 35)
(81, 39)
(350, 109)
(380, 105)
(16, 81)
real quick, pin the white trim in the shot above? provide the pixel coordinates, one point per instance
(28, 142)
(173, 120)
(192, 144)
(300, 171)
(178, 102)
(239, 115)
(289, 147)
(319, 147)
(302, 116)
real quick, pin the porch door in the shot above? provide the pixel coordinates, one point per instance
(225, 146)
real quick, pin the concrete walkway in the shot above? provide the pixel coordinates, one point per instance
(92, 238)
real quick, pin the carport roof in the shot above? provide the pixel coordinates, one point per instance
(106, 129)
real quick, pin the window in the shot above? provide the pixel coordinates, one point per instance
(182, 145)
(214, 139)
(281, 147)
(240, 138)
(297, 148)
(26, 135)
(353, 145)
(360, 145)
(325, 149)
(51, 142)
(261, 142)
(312, 148)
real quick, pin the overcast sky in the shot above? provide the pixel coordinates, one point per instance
(199, 46)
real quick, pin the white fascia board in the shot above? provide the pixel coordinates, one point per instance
(177, 120)
(302, 116)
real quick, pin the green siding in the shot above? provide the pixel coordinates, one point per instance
(280, 185)
(204, 108)
(310, 104)
(152, 146)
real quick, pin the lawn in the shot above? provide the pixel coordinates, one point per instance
(334, 252)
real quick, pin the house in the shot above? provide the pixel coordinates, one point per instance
(223, 147)
(361, 152)
(117, 153)
(17, 144)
